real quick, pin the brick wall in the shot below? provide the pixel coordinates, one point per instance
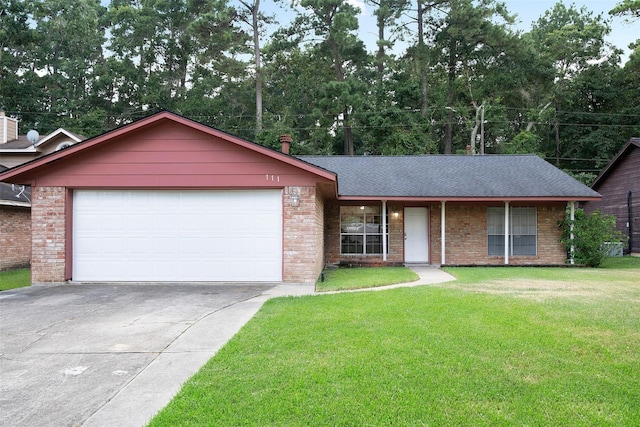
(395, 253)
(466, 236)
(15, 237)
(303, 236)
(48, 234)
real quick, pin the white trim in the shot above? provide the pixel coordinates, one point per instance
(442, 233)
(4, 129)
(506, 233)
(15, 204)
(56, 133)
(18, 150)
(384, 230)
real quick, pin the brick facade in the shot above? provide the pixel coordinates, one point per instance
(15, 237)
(465, 234)
(303, 236)
(48, 234)
(395, 254)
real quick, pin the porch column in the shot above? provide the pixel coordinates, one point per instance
(442, 233)
(384, 230)
(506, 233)
(572, 217)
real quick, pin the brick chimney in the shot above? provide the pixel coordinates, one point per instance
(8, 128)
(285, 140)
(468, 150)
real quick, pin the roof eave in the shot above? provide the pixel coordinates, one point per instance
(469, 199)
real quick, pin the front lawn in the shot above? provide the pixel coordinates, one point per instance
(460, 353)
(15, 279)
(336, 279)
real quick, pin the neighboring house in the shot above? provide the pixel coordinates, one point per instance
(169, 199)
(16, 149)
(619, 184)
(15, 225)
(15, 205)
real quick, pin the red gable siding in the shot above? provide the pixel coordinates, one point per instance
(170, 155)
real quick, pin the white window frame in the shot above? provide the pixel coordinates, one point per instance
(361, 229)
(519, 226)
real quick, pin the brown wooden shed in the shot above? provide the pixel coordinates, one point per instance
(619, 185)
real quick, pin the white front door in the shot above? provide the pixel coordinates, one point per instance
(416, 235)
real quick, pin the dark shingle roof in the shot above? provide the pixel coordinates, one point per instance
(450, 176)
(9, 192)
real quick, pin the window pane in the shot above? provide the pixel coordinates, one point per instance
(351, 244)
(496, 245)
(351, 219)
(374, 244)
(495, 220)
(524, 245)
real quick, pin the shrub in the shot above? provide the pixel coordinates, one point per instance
(590, 233)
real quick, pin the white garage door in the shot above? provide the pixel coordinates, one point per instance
(177, 235)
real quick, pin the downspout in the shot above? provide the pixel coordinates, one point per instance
(384, 230)
(442, 233)
(506, 233)
(630, 221)
(572, 218)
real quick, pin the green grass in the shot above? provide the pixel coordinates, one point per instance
(15, 279)
(462, 353)
(364, 277)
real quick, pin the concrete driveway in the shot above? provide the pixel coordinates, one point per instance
(110, 355)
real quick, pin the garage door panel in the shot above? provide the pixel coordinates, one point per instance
(177, 235)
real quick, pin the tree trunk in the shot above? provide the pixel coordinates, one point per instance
(256, 54)
(348, 133)
(421, 59)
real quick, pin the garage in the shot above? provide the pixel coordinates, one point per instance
(177, 235)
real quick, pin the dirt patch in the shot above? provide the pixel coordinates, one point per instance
(543, 289)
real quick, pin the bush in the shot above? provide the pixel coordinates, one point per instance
(590, 233)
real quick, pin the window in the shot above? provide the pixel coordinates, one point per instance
(522, 231)
(361, 230)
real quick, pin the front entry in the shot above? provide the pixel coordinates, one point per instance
(416, 235)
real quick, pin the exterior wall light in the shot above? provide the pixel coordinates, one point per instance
(395, 213)
(295, 200)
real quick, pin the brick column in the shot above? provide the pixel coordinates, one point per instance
(303, 240)
(48, 234)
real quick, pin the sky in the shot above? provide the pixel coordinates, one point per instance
(622, 33)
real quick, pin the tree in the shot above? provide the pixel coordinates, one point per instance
(254, 19)
(471, 38)
(629, 8)
(20, 89)
(335, 23)
(592, 236)
(568, 39)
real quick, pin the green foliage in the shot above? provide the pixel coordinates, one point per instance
(523, 143)
(591, 233)
(89, 69)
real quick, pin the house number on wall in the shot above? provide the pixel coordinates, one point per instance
(272, 178)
